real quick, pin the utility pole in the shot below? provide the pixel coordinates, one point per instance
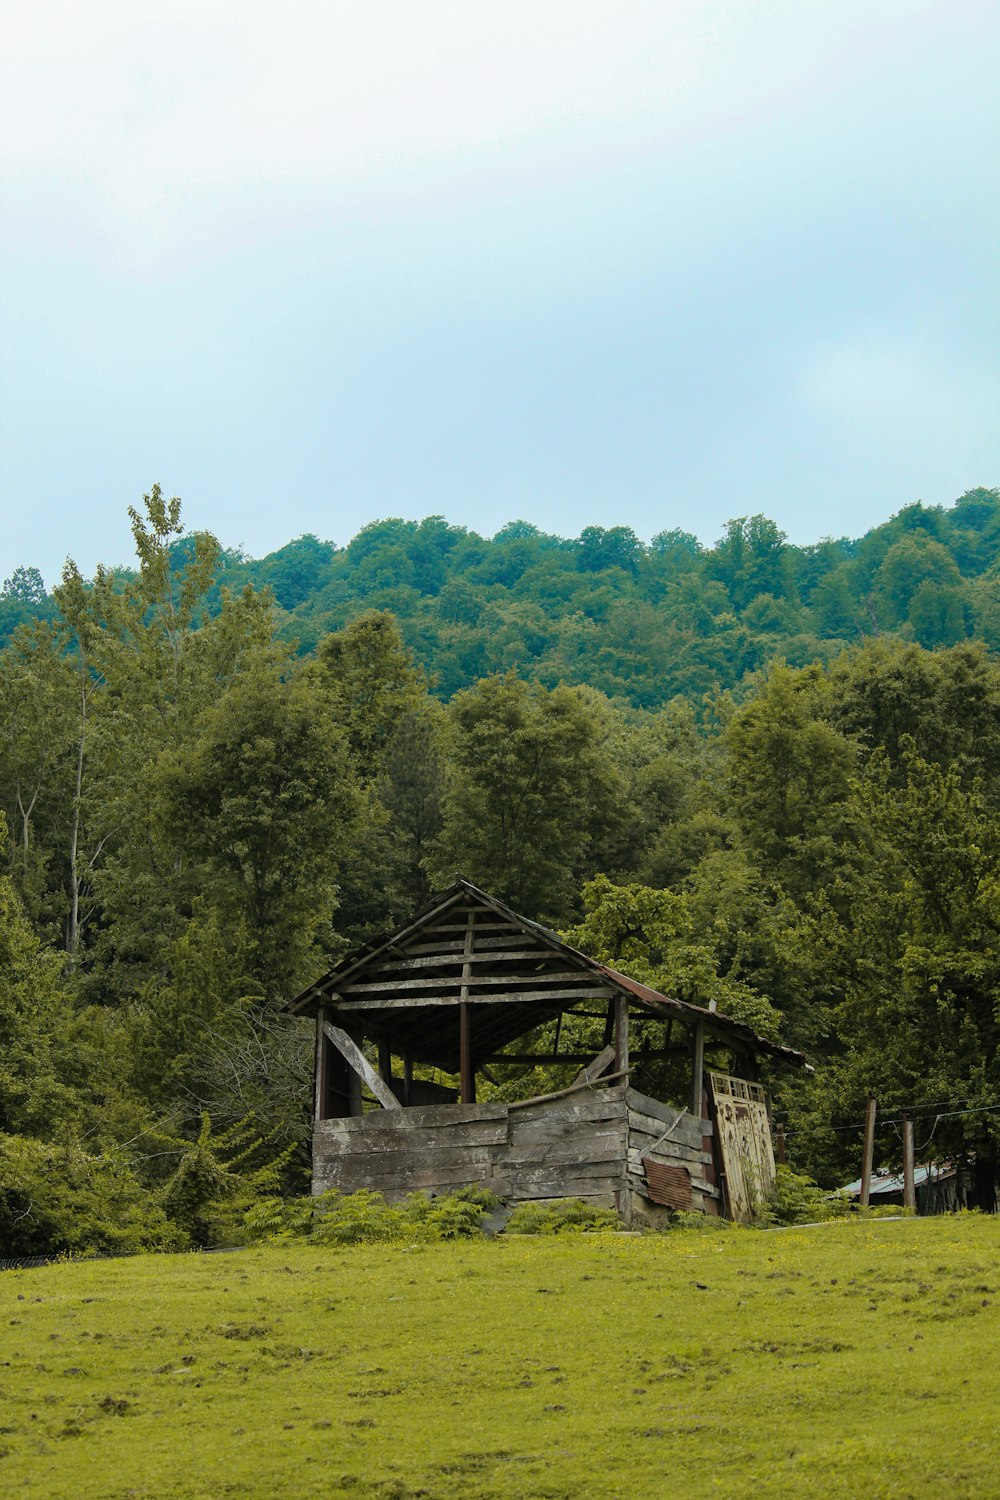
(909, 1184)
(869, 1151)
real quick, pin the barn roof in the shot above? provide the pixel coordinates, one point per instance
(404, 984)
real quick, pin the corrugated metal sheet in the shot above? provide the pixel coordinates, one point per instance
(669, 1186)
(921, 1176)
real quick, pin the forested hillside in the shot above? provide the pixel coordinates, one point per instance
(641, 623)
(207, 795)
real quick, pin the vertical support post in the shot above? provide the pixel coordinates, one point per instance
(467, 1077)
(909, 1182)
(697, 1068)
(869, 1151)
(319, 1085)
(618, 1023)
(354, 1103)
(385, 1059)
(621, 1034)
(407, 1078)
(779, 1151)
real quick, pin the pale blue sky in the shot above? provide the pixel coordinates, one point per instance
(609, 263)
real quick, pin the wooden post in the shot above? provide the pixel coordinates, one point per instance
(621, 1034)
(780, 1146)
(319, 1087)
(869, 1151)
(355, 1102)
(467, 1077)
(697, 1069)
(385, 1059)
(909, 1184)
(407, 1078)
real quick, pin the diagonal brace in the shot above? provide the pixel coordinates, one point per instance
(356, 1059)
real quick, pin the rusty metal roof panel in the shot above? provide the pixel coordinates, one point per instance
(668, 1186)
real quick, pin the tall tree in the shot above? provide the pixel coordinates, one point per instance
(529, 788)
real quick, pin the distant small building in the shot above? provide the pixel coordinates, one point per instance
(941, 1188)
(456, 989)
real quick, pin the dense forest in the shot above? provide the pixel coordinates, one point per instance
(643, 624)
(761, 775)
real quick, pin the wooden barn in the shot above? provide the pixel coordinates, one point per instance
(461, 990)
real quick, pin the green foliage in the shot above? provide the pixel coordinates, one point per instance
(218, 1180)
(651, 936)
(714, 761)
(263, 797)
(529, 788)
(698, 1223)
(564, 1216)
(365, 1217)
(61, 1197)
(798, 1200)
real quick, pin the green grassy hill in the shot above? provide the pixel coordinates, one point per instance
(838, 1360)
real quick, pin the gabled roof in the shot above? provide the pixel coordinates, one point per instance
(522, 988)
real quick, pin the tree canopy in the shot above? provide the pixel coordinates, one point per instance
(759, 776)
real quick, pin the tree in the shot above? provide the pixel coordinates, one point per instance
(412, 791)
(263, 797)
(919, 1020)
(528, 788)
(752, 559)
(916, 559)
(34, 1023)
(26, 585)
(369, 677)
(937, 615)
(616, 547)
(885, 694)
(788, 773)
(37, 698)
(651, 936)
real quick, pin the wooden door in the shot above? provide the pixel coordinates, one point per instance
(743, 1136)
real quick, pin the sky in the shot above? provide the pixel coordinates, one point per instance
(573, 262)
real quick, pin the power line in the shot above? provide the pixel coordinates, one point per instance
(881, 1120)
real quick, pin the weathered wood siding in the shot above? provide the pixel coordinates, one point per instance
(588, 1145)
(562, 1148)
(675, 1138)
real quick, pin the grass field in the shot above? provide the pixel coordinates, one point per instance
(842, 1360)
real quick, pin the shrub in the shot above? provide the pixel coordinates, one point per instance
(797, 1199)
(703, 1223)
(218, 1181)
(564, 1216)
(58, 1198)
(365, 1217)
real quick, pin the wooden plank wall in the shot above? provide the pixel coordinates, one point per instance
(588, 1145)
(564, 1148)
(675, 1138)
